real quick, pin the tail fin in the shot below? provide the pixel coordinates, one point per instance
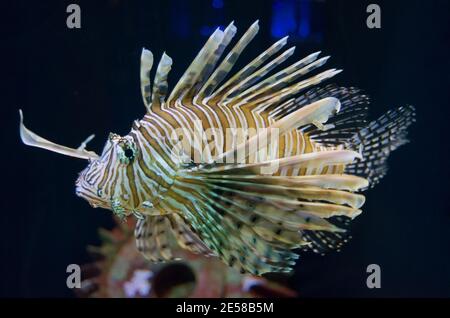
(377, 141)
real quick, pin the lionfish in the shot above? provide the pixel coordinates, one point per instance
(248, 166)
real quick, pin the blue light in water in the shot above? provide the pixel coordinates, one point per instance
(283, 18)
(217, 4)
(294, 18)
(304, 28)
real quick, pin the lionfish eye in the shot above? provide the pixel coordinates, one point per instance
(129, 153)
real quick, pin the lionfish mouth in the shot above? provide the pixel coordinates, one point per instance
(91, 198)
(85, 191)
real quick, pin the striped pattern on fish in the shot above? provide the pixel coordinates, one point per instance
(247, 166)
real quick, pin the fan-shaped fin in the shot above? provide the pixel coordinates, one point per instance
(317, 112)
(249, 68)
(280, 79)
(229, 33)
(350, 119)
(378, 140)
(234, 241)
(146, 66)
(259, 74)
(308, 160)
(194, 71)
(291, 193)
(152, 238)
(328, 181)
(160, 85)
(252, 222)
(228, 62)
(266, 100)
(186, 238)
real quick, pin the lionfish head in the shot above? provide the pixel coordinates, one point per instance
(101, 182)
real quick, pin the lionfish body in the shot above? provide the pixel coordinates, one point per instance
(246, 167)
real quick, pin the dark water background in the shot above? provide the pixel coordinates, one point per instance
(71, 83)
